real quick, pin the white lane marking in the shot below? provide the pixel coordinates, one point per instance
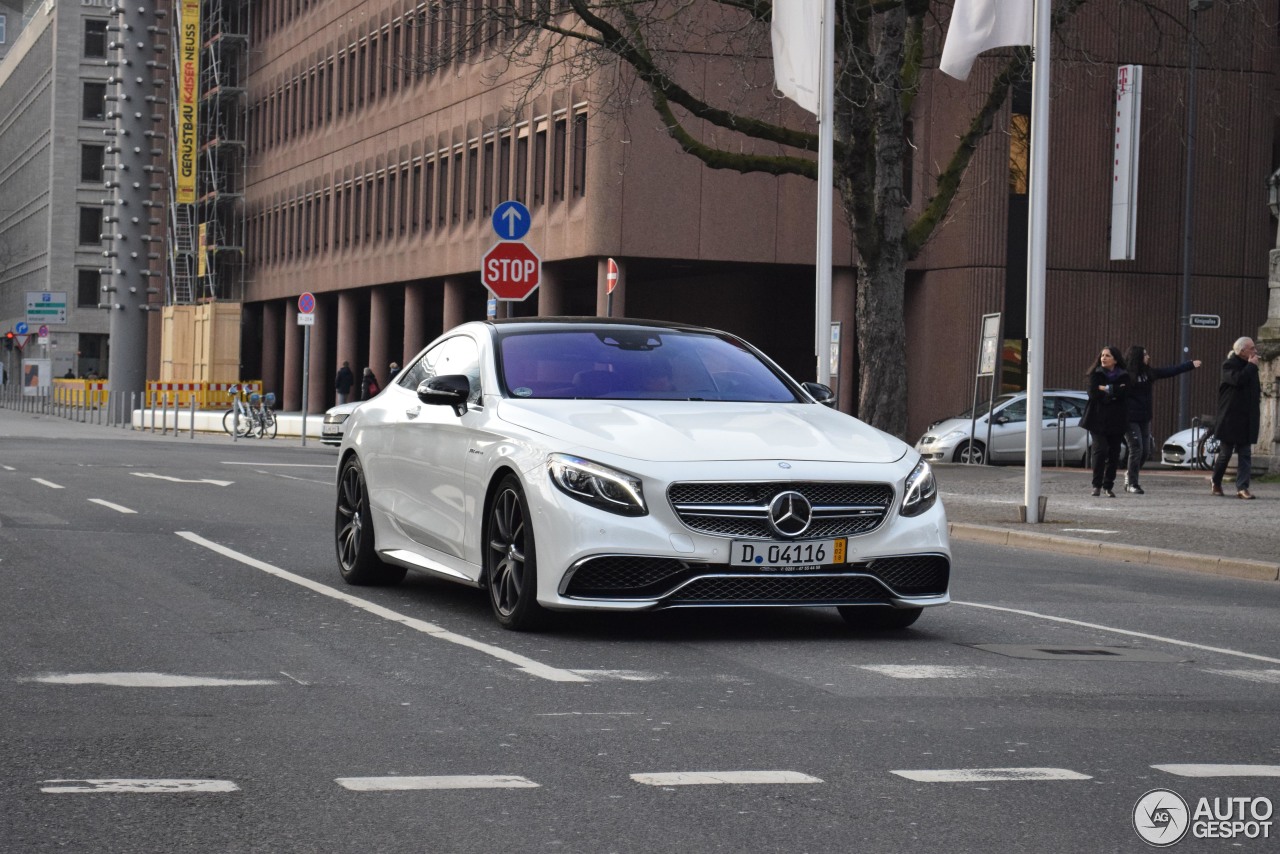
(282, 465)
(1221, 770)
(47, 483)
(708, 778)
(139, 786)
(180, 479)
(528, 665)
(116, 507)
(624, 675)
(143, 680)
(1089, 531)
(8, 468)
(1083, 624)
(928, 671)
(1271, 677)
(990, 775)
(461, 781)
(582, 714)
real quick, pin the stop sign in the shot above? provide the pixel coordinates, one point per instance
(511, 270)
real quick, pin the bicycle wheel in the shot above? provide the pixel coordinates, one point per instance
(269, 425)
(245, 424)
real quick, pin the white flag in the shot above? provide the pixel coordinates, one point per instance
(978, 25)
(797, 45)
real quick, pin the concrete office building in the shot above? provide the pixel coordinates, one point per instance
(372, 185)
(52, 116)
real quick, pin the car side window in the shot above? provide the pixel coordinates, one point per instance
(460, 355)
(418, 371)
(1074, 407)
(1015, 412)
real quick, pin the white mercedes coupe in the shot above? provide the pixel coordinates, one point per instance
(595, 464)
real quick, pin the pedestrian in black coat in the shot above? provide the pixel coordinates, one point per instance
(1106, 417)
(1141, 377)
(343, 382)
(368, 384)
(1239, 414)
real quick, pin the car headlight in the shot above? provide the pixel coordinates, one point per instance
(336, 417)
(597, 485)
(919, 490)
(954, 434)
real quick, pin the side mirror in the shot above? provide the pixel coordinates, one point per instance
(1002, 419)
(446, 390)
(821, 393)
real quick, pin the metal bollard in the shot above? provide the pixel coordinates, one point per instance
(193, 416)
(1062, 439)
(133, 398)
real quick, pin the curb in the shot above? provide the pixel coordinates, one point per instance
(1251, 569)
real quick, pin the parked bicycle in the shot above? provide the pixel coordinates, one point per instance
(250, 415)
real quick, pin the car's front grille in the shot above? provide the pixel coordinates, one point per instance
(913, 575)
(789, 589)
(624, 577)
(741, 509)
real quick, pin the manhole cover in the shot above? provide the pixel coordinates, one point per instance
(1073, 652)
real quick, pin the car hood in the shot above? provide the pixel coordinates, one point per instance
(681, 431)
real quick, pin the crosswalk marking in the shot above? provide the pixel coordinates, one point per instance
(704, 778)
(403, 784)
(148, 787)
(1269, 676)
(48, 483)
(929, 671)
(1221, 770)
(990, 775)
(145, 680)
(119, 508)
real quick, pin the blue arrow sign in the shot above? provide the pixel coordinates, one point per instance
(511, 220)
(20, 328)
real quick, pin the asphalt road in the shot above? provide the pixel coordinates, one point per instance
(302, 701)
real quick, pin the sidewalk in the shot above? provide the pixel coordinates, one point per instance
(1176, 523)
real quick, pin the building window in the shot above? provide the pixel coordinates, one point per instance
(521, 177)
(95, 101)
(486, 182)
(91, 158)
(473, 179)
(559, 138)
(95, 38)
(88, 288)
(540, 164)
(90, 226)
(579, 168)
(442, 191)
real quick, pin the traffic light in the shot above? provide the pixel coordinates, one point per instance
(8, 339)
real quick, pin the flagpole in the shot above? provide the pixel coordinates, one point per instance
(826, 175)
(1037, 239)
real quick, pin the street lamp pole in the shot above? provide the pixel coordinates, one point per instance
(1184, 319)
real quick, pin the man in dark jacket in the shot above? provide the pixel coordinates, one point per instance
(343, 382)
(1239, 413)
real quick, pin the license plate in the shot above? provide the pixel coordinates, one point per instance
(803, 553)
(330, 431)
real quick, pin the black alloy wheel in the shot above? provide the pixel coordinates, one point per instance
(353, 532)
(510, 560)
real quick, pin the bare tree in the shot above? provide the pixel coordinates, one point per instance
(656, 49)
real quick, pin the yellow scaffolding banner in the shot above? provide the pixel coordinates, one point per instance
(202, 251)
(188, 95)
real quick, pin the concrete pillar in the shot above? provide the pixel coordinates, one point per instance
(1266, 454)
(380, 355)
(320, 394)
(416, 334)
(844, 301)
(348, 331)
(455, 303)
(291, 400)
(619, 302)
(270, 360)
(550, 294)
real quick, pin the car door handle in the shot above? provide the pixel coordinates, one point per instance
(413, 413)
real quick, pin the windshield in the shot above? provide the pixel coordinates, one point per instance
(984, 406)
(619, 363)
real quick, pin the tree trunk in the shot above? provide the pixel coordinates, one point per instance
(882, 347)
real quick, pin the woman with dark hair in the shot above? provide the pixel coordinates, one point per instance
(1138, 437)
(1106, 417)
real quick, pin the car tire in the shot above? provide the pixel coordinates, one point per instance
(962, 454)
(878, 617)
(510, 559)
(353, 532)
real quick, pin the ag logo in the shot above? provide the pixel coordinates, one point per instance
(1161, 817)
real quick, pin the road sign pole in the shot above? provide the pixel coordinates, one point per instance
(306, 378)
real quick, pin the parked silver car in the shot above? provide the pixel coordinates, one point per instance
(949, 440)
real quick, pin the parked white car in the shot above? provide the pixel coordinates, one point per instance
(590, 464)
(948, 440)
(1195, 447)
(334, 418)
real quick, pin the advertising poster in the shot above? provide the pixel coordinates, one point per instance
(36, 374)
